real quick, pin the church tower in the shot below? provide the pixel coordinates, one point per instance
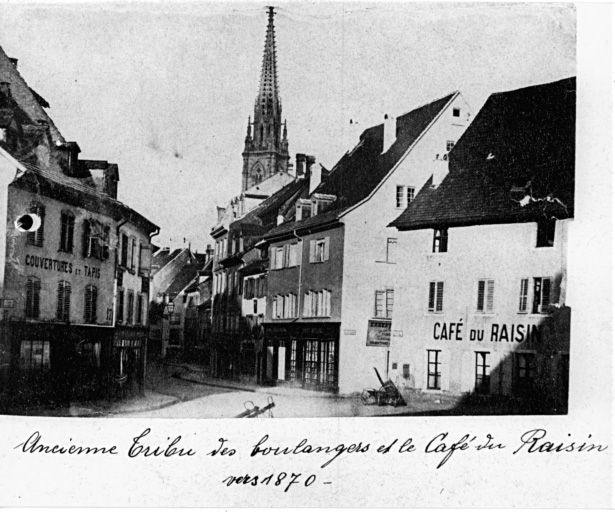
(266, 146)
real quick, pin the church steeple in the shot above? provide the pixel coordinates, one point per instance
(266, 148)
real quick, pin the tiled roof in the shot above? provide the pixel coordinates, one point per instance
(164, 256)
(183, 278)
(521, 143)
(28, 100)
(361, 170)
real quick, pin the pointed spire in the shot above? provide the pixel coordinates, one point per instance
(268, 102)
(249, 133)
(285, 134)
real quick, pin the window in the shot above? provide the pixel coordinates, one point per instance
(545, 233)
(319, 250)
(91, 303)
(67, 231)
(120, 306)
(124, 250)
(317, 304)
(63, 305)
(391, 250)
(277, 257)
(131, 307)
(542, 294)
(383, 307)
(33, 297)
(406, 371)
(481, 383)
(456, 112)
(523, 296)
(440, 240)
(140, 309)
(433, 369)
(132, 245)
(292, 255)
(284, 306)
(34, 355)
(36, 237)
(450, 144)
(95, 240)
(485, 295)
(404, 196)
(525, 372)
(436, 297)
(145, 285)
(410, 194)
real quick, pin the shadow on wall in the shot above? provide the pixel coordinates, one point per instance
(531, 379)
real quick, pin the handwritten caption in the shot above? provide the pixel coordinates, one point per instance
(442, 447)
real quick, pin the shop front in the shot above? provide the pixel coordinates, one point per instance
(303, 355)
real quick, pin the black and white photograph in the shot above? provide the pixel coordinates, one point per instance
(314, 211)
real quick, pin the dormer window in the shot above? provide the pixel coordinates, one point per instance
(320, 203)
(456, 112)
(450, 144)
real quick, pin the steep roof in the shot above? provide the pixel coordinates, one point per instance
(360, 171)
(520, 145)
(30, 102)
(162, 257)
(183, 278)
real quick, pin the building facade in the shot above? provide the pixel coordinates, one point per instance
(64, 253)
(341, 286)
(484, 253)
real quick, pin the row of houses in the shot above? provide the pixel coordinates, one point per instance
(74, 261)
(434, 250)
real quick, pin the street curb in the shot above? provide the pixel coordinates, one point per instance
(203, 383)
(101, 414)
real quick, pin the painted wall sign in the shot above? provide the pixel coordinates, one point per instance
(519, 333)
(378, 333)
(49, 264)
(350, 332)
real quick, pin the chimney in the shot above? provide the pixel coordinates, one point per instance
(70, 156)
(280, 219)
(352, 135)
(209, 253)
(300, 167)
(441, 170)
(314, 173)
(111, 176)
(390, 132)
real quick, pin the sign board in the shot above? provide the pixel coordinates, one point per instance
(378, 333)
(350, 332)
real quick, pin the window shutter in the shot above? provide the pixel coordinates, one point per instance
(312, 251)
(389, 303)
(59, 308)
(94, 304)
(546, 294)
(523, 295)
(445, 369)
(432, 296)
(300, 252)
(87, 313)
(85, 241)
(440, 296)
(306, 305)
(36, 298)
(490, 292)
(326, 249)
(480, 305)
(67, 291)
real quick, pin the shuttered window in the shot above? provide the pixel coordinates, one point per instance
(523, 295)
(120, 306)
(319, 250)
(131, 307)
(140, 309)
(63, 306)
(91, 304)
(67, 231)
(37, 237)
(383, 304)
(436, 296)
(33, 297)
(485, 295)
(124, 250)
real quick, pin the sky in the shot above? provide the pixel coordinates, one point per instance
(165, 89)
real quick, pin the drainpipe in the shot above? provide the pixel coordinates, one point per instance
(300, 269)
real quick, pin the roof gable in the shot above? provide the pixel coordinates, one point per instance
(514, 163)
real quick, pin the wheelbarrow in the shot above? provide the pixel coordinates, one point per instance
(388, 394)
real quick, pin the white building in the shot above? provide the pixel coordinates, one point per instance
(480, 281)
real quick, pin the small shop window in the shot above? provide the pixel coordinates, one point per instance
(34, 355)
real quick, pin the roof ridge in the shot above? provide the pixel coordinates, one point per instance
(457, 91)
